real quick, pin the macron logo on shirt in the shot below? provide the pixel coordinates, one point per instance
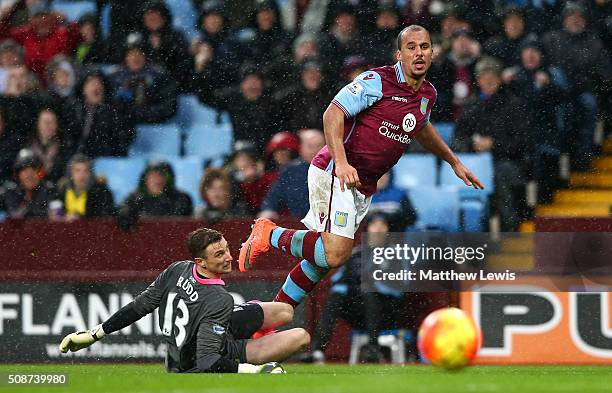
(368, 77)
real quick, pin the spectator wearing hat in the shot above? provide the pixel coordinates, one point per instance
(507, 46)
(61, 86)
(454, 76)
(82, 194)
(283, 148)
(289, 193)
(249, 105)
(308, 98)
(214, 49)
(351, 68)
(583, 58)
(29, 195)
(95, 126)
(495, 120)
(44, 36)
(165, 46)
(217, 193)
(541, 86)
(156, 196)
(143, 92)
(270, 46)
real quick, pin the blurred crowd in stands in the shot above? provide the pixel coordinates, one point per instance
(526, 80)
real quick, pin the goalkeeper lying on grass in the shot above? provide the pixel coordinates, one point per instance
(203, 329)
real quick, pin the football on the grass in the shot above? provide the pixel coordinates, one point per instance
(448, 338)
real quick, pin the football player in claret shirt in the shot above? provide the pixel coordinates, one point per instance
(202, 328)
(368, 127)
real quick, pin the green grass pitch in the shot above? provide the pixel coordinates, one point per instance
(132, 378)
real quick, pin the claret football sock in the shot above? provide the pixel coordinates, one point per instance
(301, 244)
(300, 282)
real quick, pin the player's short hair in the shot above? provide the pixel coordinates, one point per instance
(198, 240)
(407, 29)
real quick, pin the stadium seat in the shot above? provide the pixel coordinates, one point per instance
(209, 142)
(446, 131)
(184, 17)
(162, 139)
(188, 172)
(481, 165)
(191, 112)
(436, 208)
(74, 9)
(122, 174)
(105, 20)
(415, 170)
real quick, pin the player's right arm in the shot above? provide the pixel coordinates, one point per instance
(354, 98)
(143, 304)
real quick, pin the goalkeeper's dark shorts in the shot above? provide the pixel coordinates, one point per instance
(246, 320)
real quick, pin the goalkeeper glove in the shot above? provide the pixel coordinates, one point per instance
(79, 340)
(266, 368)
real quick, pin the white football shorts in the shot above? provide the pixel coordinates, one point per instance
(332, 210)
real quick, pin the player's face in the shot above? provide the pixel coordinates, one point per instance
(218, 259)
(415, 53)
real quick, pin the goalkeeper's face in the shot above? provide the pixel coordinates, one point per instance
(217, 258)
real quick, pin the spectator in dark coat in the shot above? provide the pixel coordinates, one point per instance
(542, 87)
(289, 193)
(96, 129)
(496, 121)
(50, 146)
(394, 203)
(582, 56)
(125, 18)
(143, 92)
(9, 146)
(342, 40)
(309, 97)
(250, 107)
(92, 49)
(270, 46)
(21, 103)
(507, 45)
(454, 76)
(156, 196)
(61, 87)
(82, 194)
(382, 41)
(214, 50)
(165, 46)
(29, 196)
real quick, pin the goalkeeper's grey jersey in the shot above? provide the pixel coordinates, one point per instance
(194, 314)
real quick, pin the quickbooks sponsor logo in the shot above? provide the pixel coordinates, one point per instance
(386, 130)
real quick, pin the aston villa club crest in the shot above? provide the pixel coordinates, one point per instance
(424, 103)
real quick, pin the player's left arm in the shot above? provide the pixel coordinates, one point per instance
(429, 138)
(145, 303)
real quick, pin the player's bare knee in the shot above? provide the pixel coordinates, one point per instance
(286, 313)
(337, 258)
(302, 338)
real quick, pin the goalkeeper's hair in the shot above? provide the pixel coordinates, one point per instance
(198, 240)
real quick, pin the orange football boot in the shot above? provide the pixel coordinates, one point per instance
(257, 243)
